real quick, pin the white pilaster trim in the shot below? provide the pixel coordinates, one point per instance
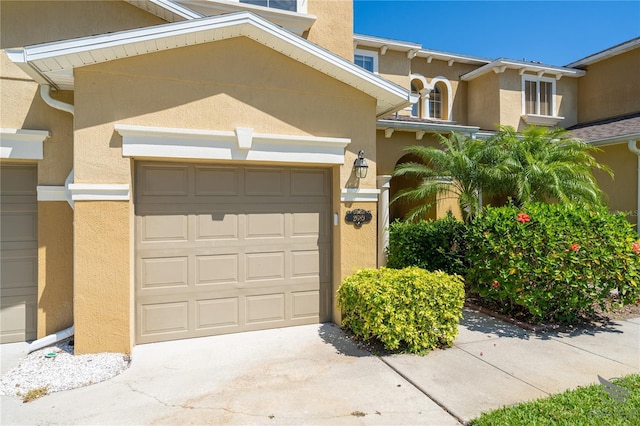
(351, 195)
(51, 193)
(22, 144)
(161, 142)
(100, 191)
(384, 185)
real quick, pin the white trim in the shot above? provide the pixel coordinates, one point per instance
(22, 144)
(161, 142)
(430, 55)
(379, 43)
(541, 120)
(100, 191)
(504, 64)
(166, 9)
(540, 117)
(49, 59)
(51, 193)
(351, 195)
(605, 54)
(369, 53)
(448, 97)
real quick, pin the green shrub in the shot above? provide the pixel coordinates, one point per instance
(409, 309)
(552, 262)
(431, 245)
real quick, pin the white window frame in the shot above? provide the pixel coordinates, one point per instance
(537, 118)
(301, 6)
(370, 53)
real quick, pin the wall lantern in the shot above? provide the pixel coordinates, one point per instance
(360, 166)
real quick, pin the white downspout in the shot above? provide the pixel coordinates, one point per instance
(45, 94)
(633, 147)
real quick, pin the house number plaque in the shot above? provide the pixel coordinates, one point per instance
(358, 217)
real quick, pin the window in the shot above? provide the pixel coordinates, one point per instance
(366, 59)
(538, 96)
(415, 108)
(291, 5)
(435, 103)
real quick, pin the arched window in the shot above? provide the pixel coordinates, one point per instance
(435, 103)
(415, 108)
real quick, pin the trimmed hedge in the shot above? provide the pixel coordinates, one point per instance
(431, 245)
(553, 262)
(409, 309)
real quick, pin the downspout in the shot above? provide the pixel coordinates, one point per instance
(633, 147)
(45, 93)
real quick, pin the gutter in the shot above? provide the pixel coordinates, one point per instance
(633, 147)
(45, 93)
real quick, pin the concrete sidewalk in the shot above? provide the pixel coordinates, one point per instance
(315, 375)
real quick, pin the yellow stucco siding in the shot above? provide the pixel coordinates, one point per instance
(622, 191)
(484, 101)
(25, 23)
(395, 67)
(610, 88)
(55, 267)
(459, 89)
(333, 28)
(102, 290)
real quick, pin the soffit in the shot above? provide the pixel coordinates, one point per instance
(500, 65)
(166, 9)
(53, 63)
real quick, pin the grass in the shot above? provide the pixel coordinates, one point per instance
(589, 405)
(35, 394)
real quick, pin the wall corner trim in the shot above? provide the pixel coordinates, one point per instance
(351, 195)
(100, 192)
(22, 144)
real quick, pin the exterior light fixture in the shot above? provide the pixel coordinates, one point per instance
(360, 166)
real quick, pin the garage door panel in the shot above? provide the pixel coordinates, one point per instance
(212, 225)
(164, 272)
(218, 269)
(217, 313)
(18, 252)
(265, 182)
(309, 183)
(167, 180)
(257, 248)
(217, 181)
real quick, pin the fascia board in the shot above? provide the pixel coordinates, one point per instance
(166, 9)
(378, 42)
(518, 65)
(49, 58)
(615, 140)
(612, 51)
(429, 127)
(440, 55)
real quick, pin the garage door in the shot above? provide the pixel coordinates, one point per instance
(18, 253)
(222, 249)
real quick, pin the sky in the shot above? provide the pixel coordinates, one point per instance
(551, 32)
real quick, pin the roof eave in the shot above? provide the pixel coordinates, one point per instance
(404, 126)
(615, 140)
(500, 65)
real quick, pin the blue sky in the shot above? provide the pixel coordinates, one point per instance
(552, 32)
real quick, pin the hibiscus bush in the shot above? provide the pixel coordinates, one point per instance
(553, 262)
(408, 309)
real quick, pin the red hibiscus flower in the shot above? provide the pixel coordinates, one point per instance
(575, 247)
(636, 247)
(523, 217)
(495, 284)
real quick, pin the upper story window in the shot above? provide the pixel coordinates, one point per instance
(291, 5)
(366, 59)
(538, 95)
(435, 103)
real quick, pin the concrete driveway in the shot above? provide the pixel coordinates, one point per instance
(299, 375)
(314, 375)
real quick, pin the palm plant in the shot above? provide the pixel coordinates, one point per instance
(459, 170)
(546, 165)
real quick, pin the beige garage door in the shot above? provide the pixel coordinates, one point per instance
(18, 253)
(222, 249)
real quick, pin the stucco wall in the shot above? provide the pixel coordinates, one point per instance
(333, 28)
(55, 267)
(24, 23)
(484, 102)
(191, 88)
(622, 192)
(610, 88)
(395, 67)
(459, 94)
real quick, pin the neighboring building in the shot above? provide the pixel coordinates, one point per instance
(174, 169)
